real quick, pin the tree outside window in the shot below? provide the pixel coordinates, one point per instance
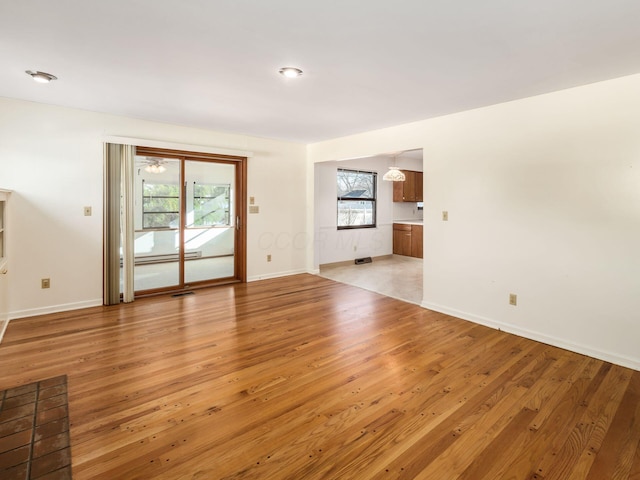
(356, 199)
(211, 205)
(160, 206)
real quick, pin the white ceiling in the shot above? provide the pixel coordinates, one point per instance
(367, 63)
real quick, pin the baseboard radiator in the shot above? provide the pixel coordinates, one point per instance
(164, 258)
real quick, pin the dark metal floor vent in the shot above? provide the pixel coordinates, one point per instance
(182, 294)
(360, 261)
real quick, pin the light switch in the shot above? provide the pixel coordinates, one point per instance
(252, 200)
(445, 216)
(254, 209)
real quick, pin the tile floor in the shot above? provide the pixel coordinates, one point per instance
(34, 431)
(395, 276)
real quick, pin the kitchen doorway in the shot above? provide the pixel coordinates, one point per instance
(337, 250)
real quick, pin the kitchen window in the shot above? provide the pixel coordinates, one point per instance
(356, 199)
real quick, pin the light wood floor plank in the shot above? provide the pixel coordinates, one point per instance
(305, 378)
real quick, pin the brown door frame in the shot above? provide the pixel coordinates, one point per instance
(240, 237)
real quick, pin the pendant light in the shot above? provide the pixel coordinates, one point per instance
(394, 174)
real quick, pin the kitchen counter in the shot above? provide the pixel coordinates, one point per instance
(410, 222)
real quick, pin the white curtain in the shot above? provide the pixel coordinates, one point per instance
(126, 221)
(118, 222)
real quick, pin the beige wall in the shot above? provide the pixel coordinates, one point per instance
(51, 157)
(543, 196)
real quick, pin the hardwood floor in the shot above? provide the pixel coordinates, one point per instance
(305, 378)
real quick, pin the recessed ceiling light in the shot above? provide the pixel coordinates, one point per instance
(291, 72)
(41, 77)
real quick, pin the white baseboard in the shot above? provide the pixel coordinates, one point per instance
(624, 361)
(255, 278)
(32, 312)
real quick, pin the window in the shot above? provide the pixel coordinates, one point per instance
(356, 199)
(211, 205)
(160, 205)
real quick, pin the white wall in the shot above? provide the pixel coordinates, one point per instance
(543, 196)
(4, 263)
(52, 158)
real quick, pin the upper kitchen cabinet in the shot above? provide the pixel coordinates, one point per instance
(411, 189)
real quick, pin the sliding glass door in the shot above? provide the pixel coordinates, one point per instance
(158, 197)
(209, 224)
(188, 213)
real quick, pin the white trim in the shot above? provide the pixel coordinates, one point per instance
(32, 312)
(3, 328)
(633, 363)
(255, 278)
(145, 142)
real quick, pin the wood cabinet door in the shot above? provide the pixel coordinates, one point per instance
(419, 186)
(402, 239)
(416, 241)
(409, 186)
(411, 189)
(398, 191)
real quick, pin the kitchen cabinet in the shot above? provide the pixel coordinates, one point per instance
(416, 241)
(407, 240)
(411, 189)
(402, 239)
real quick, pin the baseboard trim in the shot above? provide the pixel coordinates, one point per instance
(32, 312)
(350, 262)
(268, 276)
(622, 360)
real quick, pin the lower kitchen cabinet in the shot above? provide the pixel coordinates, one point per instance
(416, 241)
(401, 239)
(407, 240)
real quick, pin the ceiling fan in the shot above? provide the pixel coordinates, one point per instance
(154, 165)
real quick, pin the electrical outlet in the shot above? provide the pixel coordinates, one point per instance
(269, 258)
(46, 283)
(254, 209)
(513, 299)
(445, 216)
(87, 211)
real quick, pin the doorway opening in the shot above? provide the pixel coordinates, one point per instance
(394, 273)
